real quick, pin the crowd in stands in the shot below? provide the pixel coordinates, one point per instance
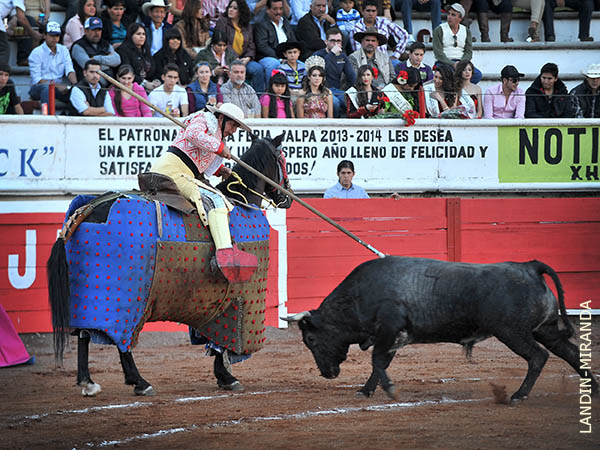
(282, 59)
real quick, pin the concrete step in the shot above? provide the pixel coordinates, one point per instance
(566, 26)
(530, 57)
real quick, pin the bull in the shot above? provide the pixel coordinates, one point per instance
(395, 301)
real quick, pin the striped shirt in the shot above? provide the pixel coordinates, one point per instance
(388, 29)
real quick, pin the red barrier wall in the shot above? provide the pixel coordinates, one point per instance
(562, 232)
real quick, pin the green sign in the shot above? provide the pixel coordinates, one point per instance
(548, 154)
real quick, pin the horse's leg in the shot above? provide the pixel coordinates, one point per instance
(90, 388)
(132, 376)
(222, 370)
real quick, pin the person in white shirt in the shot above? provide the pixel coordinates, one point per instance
(51, 62)
(6, 7)
(88, 96)
(169, 96)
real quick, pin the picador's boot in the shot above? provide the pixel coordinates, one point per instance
(505, 19)
(484, 26)
(236, 265)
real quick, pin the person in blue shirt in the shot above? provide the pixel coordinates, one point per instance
(344, 188)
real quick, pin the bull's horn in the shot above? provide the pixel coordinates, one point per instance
(297, 317)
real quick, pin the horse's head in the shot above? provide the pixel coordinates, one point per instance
(266, 156)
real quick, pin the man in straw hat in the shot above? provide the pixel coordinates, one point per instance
(156, 11)
(369, 54)
(198, 150)
(586, 96)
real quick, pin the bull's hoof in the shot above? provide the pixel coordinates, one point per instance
(235, 386)
(91, 390)
(364, 393)
(147, 391)
(391, 392)
(516, 400)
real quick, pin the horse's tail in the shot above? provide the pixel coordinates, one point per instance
(542, 268)
(60, 296)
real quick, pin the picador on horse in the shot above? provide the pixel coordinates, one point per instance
(124, 259)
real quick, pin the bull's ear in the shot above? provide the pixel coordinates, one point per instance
(277, 141)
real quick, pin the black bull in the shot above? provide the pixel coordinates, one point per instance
(395, 301)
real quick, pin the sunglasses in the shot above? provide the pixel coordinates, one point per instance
(514, 80)
(455, 40)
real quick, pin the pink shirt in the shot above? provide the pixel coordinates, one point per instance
(264, 101)
(132, 107)
(495, 105)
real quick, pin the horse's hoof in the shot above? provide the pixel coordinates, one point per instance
(235, 386)
(91, 390)
(148, 392)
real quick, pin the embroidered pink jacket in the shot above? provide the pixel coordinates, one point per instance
(202, 141)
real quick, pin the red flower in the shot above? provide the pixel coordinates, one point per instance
(410, 116)
(375, 72)
(385, 98)
(402, 77)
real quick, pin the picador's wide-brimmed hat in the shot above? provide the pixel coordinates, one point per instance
(370, 31)
(232, 112)
(285, 46)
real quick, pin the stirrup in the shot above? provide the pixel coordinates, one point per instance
(237, 266)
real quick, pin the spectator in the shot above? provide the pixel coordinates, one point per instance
(298, 8)
(169, 96)
(584, 8)
(312, 27)
(258, 10)
(71, 7)
(240, 93)
(269, 34)
(586, 96)
(204, 90)
(92, 46)
(344, 188)
(156, 10)
(315, 100)
(346, 19)
(506, 100)
(416, 53)
(462, 82)
(501, 7)
(10, 103)
(51, 62)
(235, 23)
(337, 65)
(369, 54)
(537, 9)
(452, 42)
(88, 97)
(276, 103)
(74, 29)
(219, 56)
(435, 6)
(384, 26)
(135, 52)
(173, 52)
(6, 6)
(124, 104)
(114, 23)
(364, 100)
(547, 97)
(213, 9)
(444, 100)
(194, 28)
(293, 69)
(408, 83)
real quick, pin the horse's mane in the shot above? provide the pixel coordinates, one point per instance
(259, 156)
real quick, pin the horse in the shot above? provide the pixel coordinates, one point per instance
(124, 259)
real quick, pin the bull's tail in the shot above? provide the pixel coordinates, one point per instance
(60, 295)
(542, 268)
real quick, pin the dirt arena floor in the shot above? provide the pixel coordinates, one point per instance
(444, 402)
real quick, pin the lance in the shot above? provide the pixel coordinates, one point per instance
(247, 167)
